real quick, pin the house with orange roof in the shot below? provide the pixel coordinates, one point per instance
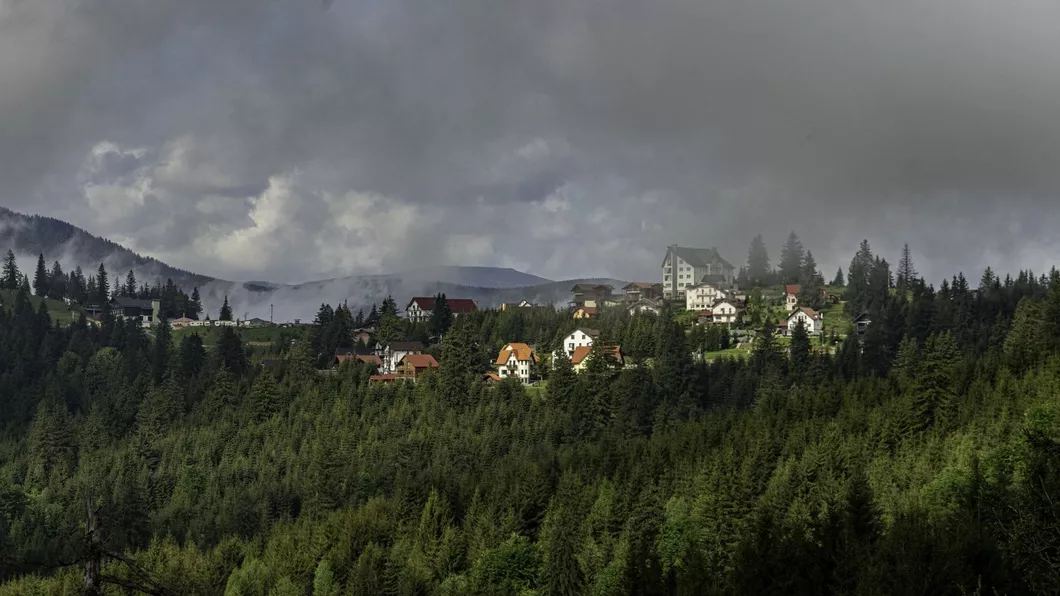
(413, 366)
(581, 356)
(516, 360)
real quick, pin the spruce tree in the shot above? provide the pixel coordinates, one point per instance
(51, 441)
(441, 316)
(192, 356)
(160, 352)
(12, 278)
(130, 285)
(102, 286)
(758, 273)
(226, 311)
(195, 307)
(838, 279)
(1051, 312)
(57, 282)
(800, 349)
(230, 353)
(459, 365)
(561, 380)
(40, 278)
(264, 397)
(561, 539)
(906, 271)
(791, 260)
(811, 284)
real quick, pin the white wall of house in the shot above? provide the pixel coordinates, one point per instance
(813, 326)
(521, 368)
(416, 314)
(791, 301)
(682, 273)
(643, 307)
(575, 340)
(701, 297)
(724, 312)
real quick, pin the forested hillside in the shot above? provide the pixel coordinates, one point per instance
(921, 459)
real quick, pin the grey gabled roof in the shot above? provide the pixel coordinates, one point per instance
(126, 302)
(699, 257)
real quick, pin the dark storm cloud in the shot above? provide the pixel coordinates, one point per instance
(563, 123)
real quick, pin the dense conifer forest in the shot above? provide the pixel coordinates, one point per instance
(920, 458)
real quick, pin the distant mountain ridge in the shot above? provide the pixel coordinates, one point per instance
(30, 235)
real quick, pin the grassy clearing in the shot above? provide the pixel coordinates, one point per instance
(60, 313)
(730, 353)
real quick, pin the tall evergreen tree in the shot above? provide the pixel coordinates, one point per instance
(811, 283)
(459, 365)
(160, 352)
(800, 349)
(441, 316)
(906, 271)
(561, 538)
(230, 353)
(57, 282)
(838, 280)
(12, 278)
(226, 311)
(758, 272)
(102, 296)
(130, 285)
(195, 306)
(192, 356)
(791, 260)
(40, 278)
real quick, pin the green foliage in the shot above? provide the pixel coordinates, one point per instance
(807, 474)
(758, 271)
(11, 278)
(226, 311)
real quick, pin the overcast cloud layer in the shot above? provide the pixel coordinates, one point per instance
(291, 140)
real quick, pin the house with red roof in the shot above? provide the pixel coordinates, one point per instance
(421, 308)
(581, 356)
(791, 296)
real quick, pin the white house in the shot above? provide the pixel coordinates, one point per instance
(515, 360)
(701, 296)
(685, 267)
(645, 305)
(579, 338)
(725, 311)
(812, 320)
(392, 352)
(421, 308)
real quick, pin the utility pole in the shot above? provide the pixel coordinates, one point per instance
(270, 315)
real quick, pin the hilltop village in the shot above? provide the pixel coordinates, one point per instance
(723, 310)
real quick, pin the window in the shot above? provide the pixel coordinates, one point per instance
(570, 347)
(583, 336)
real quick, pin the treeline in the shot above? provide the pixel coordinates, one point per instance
(56, 284)
(931, 469)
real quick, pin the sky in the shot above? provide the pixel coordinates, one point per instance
(293, 140)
